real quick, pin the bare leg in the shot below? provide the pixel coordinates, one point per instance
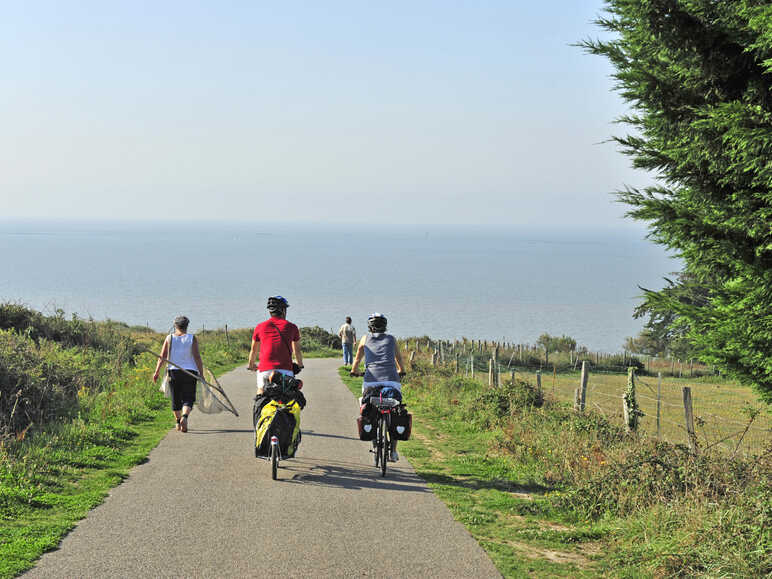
(186, 410)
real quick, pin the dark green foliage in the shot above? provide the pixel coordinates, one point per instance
(658, 472)
(39, 382)
(108, 336)
(316, 338)
(556, 344)
(46, 360)
(698, 74)
(508, 398)
(665, 332)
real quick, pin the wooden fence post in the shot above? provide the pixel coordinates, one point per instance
(491, 378)
(227, 337)
(629, 403)
(538, 380)
(659, 400)
(471, 364)
(456, 366)
(412, 358)
(689, 416)
(580, 394)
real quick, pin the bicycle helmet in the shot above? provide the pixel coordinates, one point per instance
(376, 323)
(277, 305)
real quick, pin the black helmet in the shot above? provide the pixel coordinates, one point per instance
(376, 323)
(277, 305)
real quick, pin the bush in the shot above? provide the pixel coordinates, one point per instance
(108, 336)
(316, 338)
(37, 383)
(657, 472)
(497, 403)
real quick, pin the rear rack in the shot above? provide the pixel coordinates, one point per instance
(385, 402)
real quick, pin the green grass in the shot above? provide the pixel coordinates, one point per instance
(488, 494)
(71, 484)
(549, 492)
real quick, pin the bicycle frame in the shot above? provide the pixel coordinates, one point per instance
(384, 407)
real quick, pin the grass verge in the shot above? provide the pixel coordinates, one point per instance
(550, 492)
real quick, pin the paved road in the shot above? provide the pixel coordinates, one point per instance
(203, 506)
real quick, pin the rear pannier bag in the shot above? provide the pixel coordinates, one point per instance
(366, 422)
(401, 424)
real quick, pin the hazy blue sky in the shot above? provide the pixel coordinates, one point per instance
(409, 112)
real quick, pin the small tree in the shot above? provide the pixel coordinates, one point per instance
(698, 75)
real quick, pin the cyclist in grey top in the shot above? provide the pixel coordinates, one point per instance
(383, 364)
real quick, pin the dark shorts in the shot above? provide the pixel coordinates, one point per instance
(183, 388)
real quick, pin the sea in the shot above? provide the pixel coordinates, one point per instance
(494, 283)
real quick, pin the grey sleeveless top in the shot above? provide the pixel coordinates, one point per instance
(379, 358)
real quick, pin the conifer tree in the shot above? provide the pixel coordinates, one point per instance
(698, 77)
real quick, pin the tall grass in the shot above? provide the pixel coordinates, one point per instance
(657, 508)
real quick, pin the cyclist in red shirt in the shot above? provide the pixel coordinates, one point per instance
(277, 340)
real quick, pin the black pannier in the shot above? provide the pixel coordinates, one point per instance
(401, 423)
(366, 422)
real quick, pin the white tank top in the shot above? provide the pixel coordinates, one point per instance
(182, 352)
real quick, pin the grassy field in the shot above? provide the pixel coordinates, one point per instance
(550, 492)
(722, 409)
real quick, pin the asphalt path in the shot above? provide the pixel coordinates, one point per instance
(203, 506)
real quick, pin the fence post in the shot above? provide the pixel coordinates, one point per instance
(580, 394)
(491, 378)
(659, 399)
(689, 416)
(538, 380)
(471, 363)
(629, 403)
(496, 366)
(412, 358)
(227, 337)
(456, 367)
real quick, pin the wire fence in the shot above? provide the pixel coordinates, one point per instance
(726, 416)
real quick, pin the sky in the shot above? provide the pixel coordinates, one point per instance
(478, 112)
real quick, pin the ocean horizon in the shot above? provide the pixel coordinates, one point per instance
(508, 283)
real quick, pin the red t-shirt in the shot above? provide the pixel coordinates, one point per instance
(275, 336)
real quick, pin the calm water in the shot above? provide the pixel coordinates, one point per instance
(510, 284)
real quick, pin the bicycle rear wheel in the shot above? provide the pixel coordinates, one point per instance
(274, 460)
(384, 444)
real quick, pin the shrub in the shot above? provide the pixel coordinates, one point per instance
(37, 384)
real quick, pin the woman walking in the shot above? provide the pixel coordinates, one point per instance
(181, 349)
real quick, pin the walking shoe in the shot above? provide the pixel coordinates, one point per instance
(184, 423)
(393, 456)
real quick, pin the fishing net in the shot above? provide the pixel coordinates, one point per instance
(209, 400)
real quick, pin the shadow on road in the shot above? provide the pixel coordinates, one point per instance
(497, 484)
(324, 435)
(352, 476)
(218, 431)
